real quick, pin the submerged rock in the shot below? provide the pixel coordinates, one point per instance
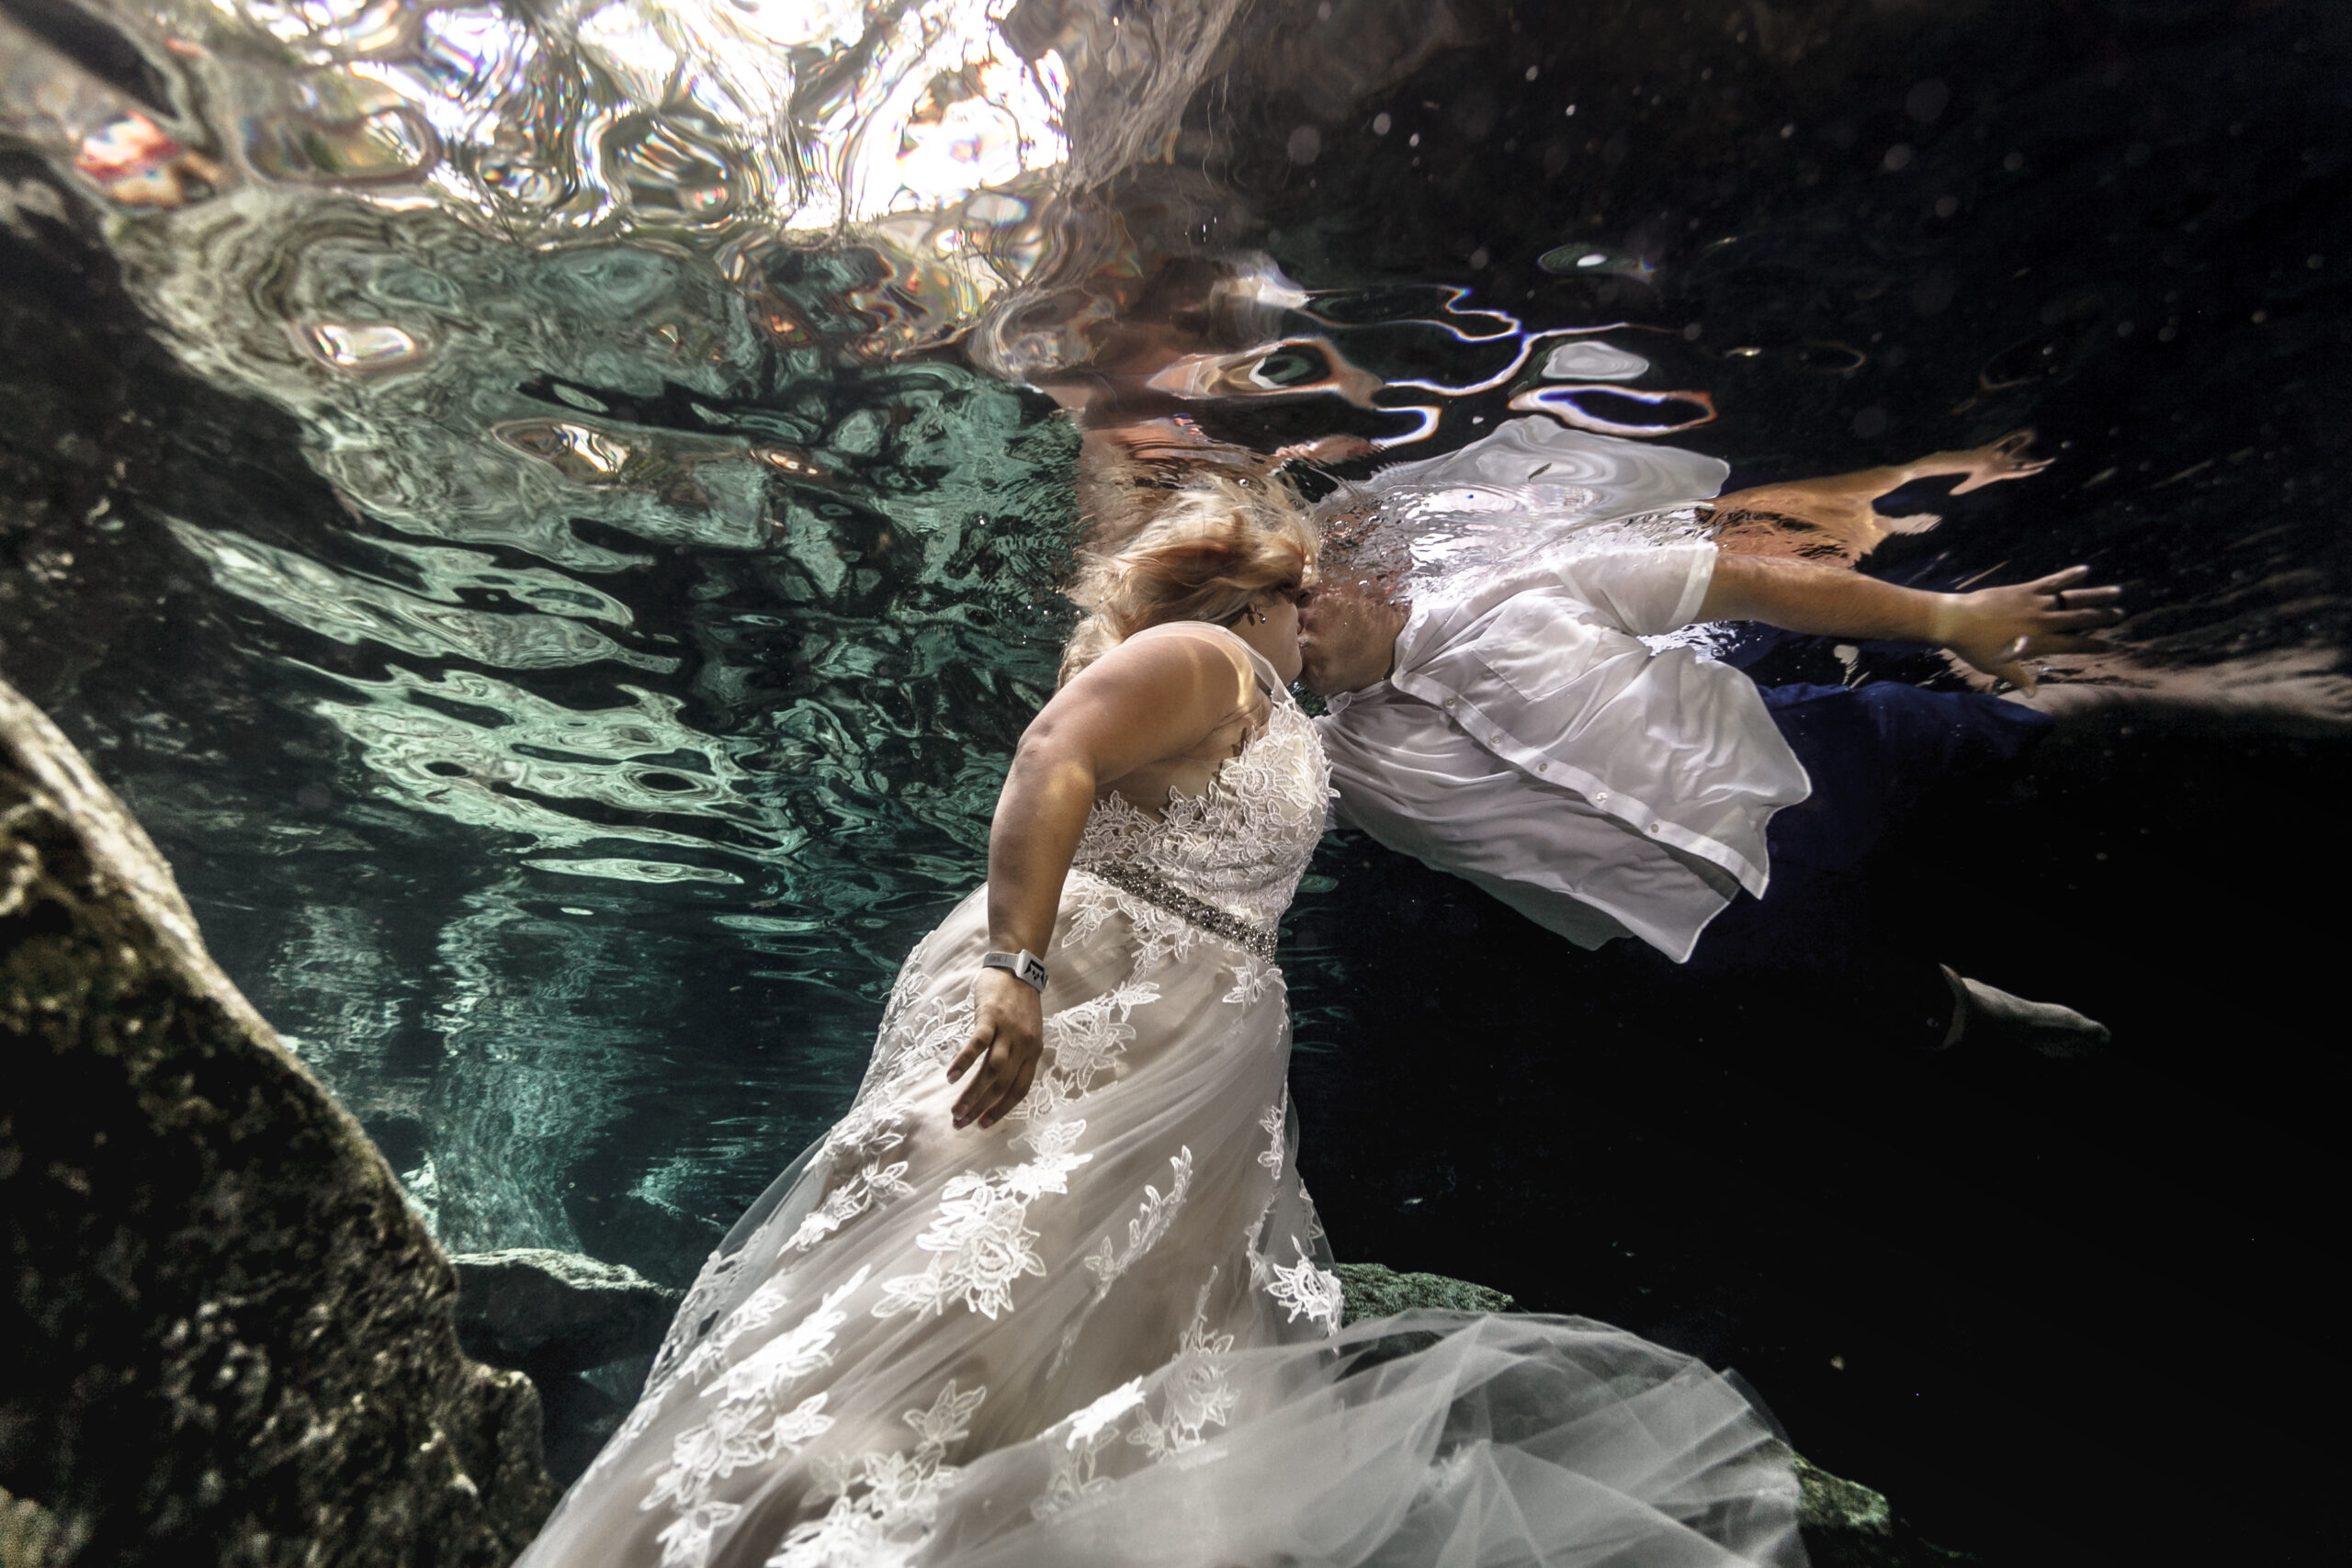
(557, 1311)
(1372, 1290)
(1847, 1525)
(665, 1245)
(583, 1330)
(228, 1338)
(26, 1531)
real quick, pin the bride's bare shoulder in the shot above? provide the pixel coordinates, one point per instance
(1182, 645)
(1205, 632)
(1186, 674)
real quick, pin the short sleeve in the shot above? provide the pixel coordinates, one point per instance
(1647, 589)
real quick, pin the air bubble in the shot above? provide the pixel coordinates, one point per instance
(1927, 102)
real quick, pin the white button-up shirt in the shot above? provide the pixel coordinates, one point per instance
(1528, 740)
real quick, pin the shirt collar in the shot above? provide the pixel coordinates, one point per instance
(1409, 638)
(1339, 702)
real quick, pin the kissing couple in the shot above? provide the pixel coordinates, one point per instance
(1052, 1293)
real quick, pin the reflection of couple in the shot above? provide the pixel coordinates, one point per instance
(1052, 1292)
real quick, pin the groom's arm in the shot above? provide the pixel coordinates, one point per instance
(1993, 628)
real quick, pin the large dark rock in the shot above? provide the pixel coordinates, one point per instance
(228, 1340)
(557, 1311)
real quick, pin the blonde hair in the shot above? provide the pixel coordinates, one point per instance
(1209, 550)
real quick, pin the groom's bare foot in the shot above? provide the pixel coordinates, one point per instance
(1989, 1016)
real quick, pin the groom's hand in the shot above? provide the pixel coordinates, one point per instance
(1997, 629)
(1008, 1037)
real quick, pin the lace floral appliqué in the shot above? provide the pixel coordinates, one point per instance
(750, 1427)
(1083, 1043)
(882, 1503)
(1153, 1216)
(1304, 1290)
(1195, 1393)
(915, 1034)
(980, 1236)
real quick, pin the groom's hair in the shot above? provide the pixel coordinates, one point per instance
(1215, 545)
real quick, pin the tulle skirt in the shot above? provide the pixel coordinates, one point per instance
(1427, 1439)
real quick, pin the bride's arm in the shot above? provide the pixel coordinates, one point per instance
(1143, 702)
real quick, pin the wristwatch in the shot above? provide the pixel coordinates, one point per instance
(1026, 966)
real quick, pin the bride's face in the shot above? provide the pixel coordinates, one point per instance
(1277, 636)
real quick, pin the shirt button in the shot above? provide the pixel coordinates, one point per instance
(1600, 797)
(1543, 767)
(1495, 737)
(1449, 705)
(1657, 827)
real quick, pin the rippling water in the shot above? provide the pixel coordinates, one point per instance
(646, 569)
(667, 549)
(551, 512)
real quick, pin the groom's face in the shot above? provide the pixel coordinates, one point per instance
(1347, 635)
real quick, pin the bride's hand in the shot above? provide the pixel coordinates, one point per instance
(1008, 1037)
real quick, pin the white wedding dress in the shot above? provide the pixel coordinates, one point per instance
(1103, 1333)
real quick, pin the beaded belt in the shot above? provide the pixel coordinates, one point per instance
(1158, 891)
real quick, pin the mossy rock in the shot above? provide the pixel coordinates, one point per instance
(1372, 1290)
(229, 1339)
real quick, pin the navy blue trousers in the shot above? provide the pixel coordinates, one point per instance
(1822, 927)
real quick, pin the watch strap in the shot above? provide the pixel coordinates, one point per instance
(1024, 965)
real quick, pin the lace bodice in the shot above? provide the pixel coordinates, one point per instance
(1239, 847)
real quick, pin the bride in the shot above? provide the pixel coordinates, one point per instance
(1051, 1293)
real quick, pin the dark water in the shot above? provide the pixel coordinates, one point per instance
(560, 565)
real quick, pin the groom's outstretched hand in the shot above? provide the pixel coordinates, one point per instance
(1998, 630)
(1995, 629)
(1008, 1037)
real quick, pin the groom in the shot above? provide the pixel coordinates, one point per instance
(1510, 727)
